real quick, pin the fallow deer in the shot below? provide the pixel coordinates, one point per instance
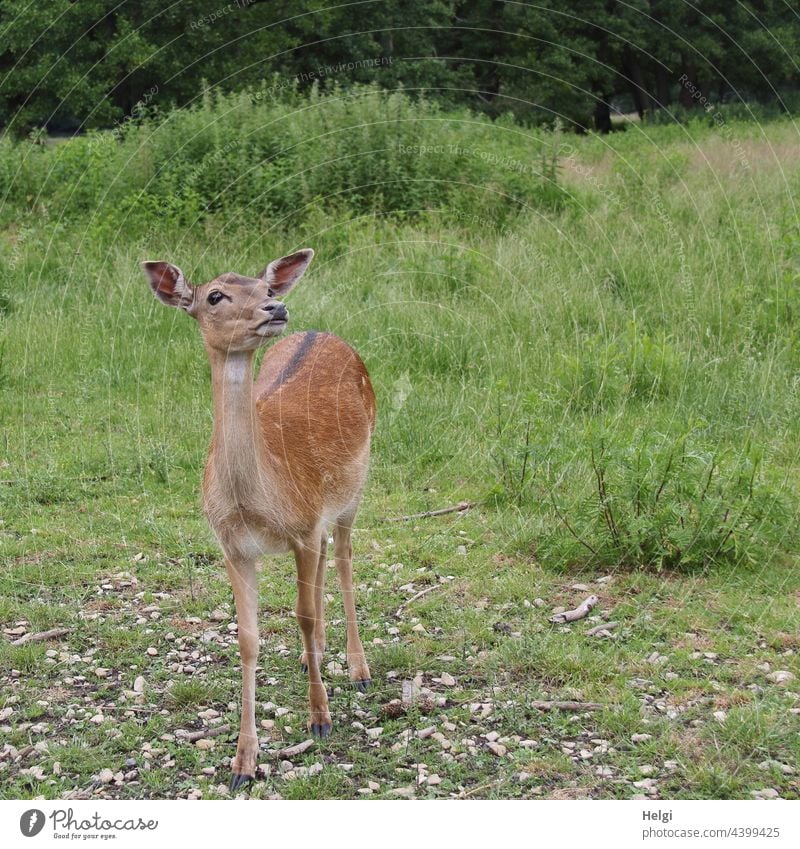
(287, 461)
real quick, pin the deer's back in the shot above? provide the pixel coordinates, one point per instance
(316, 407)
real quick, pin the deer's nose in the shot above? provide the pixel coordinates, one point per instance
(276, 311)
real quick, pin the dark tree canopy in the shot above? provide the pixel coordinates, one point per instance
(69, 66)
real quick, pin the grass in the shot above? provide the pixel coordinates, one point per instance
(607, 365)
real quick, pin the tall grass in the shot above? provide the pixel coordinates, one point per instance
(606, 360)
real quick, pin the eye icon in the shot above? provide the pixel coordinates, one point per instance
(31, 822)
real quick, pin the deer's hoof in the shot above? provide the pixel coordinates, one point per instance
(320, 729)
(363, 685)
(239, 780)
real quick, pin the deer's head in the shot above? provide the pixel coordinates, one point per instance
(235, 313)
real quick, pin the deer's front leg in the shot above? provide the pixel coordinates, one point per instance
(307, 556)
(244, 580)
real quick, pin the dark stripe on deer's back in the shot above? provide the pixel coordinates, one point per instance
(294, 363)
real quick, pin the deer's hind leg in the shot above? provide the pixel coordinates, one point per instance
(319, 599)
(356, 660)
(307, 555)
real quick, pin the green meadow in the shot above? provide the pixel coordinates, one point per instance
(593, 340)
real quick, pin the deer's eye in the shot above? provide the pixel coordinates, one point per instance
(215, 298)
(270, 293)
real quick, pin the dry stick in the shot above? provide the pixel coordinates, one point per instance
(598, 629)
(292, 751)
(193, 736)
(578, 613)
(456, 508)
(40, 636)
(466, 793)
(414, 597)
(567, 705)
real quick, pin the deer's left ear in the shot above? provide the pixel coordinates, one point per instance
(169, 285)
(281, 274)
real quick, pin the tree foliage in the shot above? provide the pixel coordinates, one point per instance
(71, 66)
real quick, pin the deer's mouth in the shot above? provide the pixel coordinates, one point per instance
(272, 324)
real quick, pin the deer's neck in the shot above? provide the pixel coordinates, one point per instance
(238, 450)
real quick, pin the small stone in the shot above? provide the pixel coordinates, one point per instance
(97, 719)
(208, 714)
(497, 749)
(374, 733)
(403, 792)
(646, 769)
(641, 738)
(492, 736)
(218, 615)
(579, 587)
(56, 768)
(448, 680)
(462, 549)
(101, 672)
(424, 733)
(129, 762)
(152, 651)
(434, 779)
(645, 784)
(373, 785)
(784, 768)
(781, 676)
(765, 793)
(205, 743)
(138, 684)
(106, 776)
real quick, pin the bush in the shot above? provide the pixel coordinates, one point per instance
(655, 500)
(274, 160)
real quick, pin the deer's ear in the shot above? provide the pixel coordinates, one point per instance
(281, 274)
(169, 285)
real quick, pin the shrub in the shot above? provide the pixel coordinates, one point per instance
(661, 501)
(364, 149)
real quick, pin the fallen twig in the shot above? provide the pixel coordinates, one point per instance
(40, 636)
(598, 629)
(578, 613)
(194, 736)
(567, 705)
(461, 507)
(414, 597)
(292, 751)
